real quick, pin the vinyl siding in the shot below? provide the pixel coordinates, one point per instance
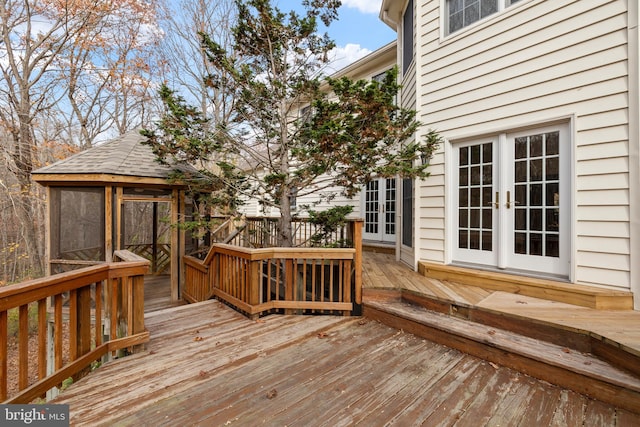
(536, 62)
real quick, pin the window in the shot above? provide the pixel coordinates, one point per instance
(407, 37)
(380, 77)
(461, 13)
(407, 212)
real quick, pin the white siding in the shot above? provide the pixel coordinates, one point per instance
(535, 62)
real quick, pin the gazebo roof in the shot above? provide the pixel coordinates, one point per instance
(124, 156)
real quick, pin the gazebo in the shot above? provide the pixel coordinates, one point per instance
(116, 196)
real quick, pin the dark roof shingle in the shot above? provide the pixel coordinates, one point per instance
(124, 155)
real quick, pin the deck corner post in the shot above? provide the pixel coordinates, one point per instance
(137, 312)
(357, 260)
(254, 282)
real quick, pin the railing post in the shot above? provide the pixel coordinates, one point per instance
(83, 326)
(254, 283)
(357, 259)
(137, 308)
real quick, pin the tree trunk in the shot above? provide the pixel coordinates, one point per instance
(285, 235)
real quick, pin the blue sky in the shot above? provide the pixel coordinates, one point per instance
(357, 32)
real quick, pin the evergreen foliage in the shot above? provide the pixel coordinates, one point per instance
(292, 131)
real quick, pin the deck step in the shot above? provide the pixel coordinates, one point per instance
(570, 293)
(557, 364)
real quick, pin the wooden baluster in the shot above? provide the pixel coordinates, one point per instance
(42, 338)
(3, 355)
(83, 327)
(322, 280)
(57, 331)
(289, 283)
(73, 325)
(303, 286)
(98, 314)
(267, 297)
(129, 303)
(346, 280)
(114, 285)
(331, 281)
(314, 270)
(23, 346)
(278, 275)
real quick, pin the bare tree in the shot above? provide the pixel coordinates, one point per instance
(45, 47)
(186, 60)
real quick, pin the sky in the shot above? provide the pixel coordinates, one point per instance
(357, 32)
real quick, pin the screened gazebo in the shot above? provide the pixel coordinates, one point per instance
(115, 196)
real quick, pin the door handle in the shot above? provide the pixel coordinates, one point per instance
(509, 200)
(495, 204)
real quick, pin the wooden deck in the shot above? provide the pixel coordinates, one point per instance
(208, 365)
(381, 271)
(157, 293)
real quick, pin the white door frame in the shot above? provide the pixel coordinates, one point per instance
(387, 209)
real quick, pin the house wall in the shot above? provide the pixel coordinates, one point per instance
(409, 94)
(534, 63)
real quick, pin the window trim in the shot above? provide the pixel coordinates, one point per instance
(405, 43)
(504, 6)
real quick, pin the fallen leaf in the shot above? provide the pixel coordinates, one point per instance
(521, 302)
(566, 350)
(202, 374)
(362, 322)
(198, 339)
(322, 334)
(272, 393)
(260, 321)
(587, 363)
(493, 365)
(491, 332)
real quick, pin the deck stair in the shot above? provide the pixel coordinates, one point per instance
(554, 290)
(541, 351)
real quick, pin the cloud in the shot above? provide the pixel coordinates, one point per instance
(344, 55)
(364, 6)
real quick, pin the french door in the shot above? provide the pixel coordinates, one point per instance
(512, 201)
(380, 210)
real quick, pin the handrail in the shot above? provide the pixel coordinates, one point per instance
(102, 307)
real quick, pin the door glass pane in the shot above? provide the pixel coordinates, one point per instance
(535, 146)
(487, 241)
(521, 148)
(390, 207)
(520, 243)
(371, 208)
(537, 172)
(475, 190)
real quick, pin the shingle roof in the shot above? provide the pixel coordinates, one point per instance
(125, 155)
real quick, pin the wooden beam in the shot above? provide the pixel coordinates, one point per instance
(175, 250)
(108, 223)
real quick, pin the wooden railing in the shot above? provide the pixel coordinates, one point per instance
(261, 232)
(293, 280)
(99, 310)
